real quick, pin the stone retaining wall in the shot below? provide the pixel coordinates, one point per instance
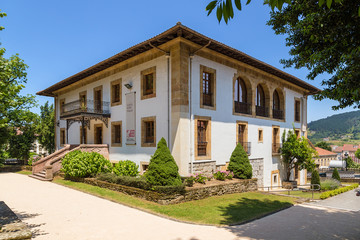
(191, 193)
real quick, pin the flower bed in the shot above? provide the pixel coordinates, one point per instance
(335, 192)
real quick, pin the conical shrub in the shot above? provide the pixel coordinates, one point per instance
(240, 164)
(315, 178)
(163, 170)
(336, 175)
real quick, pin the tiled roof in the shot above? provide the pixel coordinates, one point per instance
(178, 30)
(323, 152)
(350, 147)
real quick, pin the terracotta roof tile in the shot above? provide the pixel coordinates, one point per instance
(323, 152)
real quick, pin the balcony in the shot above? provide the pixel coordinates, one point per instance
(207, 99)
(278, 114)
(262, 111)
(85, 108)
(241, 107)
(246, 146)
(276, 147)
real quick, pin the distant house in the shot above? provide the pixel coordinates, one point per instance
(349, 150)
(324, 158)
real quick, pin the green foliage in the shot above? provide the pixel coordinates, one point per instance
(240, 164)
(163, 170)
(335, 175)
(335, 192)
(126, 168)
(84, 164)
(225, 8)
(323, 145)
(200, 178)
(357, 153)
(222, 175)
(324, 41)
(350, 163)
(296, 152)
(330, 184)
(46, 127)
(315, 178)
(190, 181)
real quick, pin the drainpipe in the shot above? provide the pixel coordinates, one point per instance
(167, 55)
(191, 114)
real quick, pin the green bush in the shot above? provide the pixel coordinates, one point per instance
(200, 178)
(335, 192)
(315, 178)
(240, 164)
(189, 181)
(335, 175)
(163, 170)
(84, 164)
(330, 184)
(126, 168)
(219, 175)
(137, 182)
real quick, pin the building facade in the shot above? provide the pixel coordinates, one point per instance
(202, 96)
(324, 157)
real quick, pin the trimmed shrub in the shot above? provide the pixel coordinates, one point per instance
(200, 178)
(240, 164)
(219, 175)
(335, 192)
(84, 164)
(163, 170)
(126, 168)
(137, 182)
(335, 175)
(330, 184)
(315, 178)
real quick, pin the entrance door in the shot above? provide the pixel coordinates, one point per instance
(98, 135)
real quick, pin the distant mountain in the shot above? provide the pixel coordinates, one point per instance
(336, 126)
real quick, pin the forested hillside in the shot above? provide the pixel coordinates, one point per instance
(344, 125)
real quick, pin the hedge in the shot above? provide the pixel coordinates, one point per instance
(335, 192)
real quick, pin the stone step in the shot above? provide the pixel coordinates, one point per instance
(39, 178)
(40, 174)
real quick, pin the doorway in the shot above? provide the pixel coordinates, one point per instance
(98, 134)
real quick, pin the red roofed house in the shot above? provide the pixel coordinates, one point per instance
(324, 157)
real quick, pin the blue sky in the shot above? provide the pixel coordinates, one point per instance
(57, 39)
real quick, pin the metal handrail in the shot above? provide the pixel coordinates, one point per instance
(292, 189)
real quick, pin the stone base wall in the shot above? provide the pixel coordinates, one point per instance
(203, 167)
(235, 186)
(258, 170)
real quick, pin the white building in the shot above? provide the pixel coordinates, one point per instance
(200, 95)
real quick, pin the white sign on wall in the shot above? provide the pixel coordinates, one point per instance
(130, 118)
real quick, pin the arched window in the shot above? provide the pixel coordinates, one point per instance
(260, 96)
(240, 91)
(276, 100)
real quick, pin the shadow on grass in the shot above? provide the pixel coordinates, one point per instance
(247, 209)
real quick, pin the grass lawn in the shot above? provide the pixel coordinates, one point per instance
(25, 172)
(303, 194)
(218, 210)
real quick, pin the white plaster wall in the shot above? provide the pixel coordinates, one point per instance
(144, 108)
(223, 122)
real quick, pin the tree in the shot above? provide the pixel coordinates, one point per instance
(323, 145)
(357, 153)
(163, 170)
(240, 164)
(335, 175)
(296, 152)
(315, 178)
(12, 80)
(46, 127)
(225, 8)
(350, 163)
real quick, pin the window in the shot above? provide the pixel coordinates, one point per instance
(62, 137)
(277, 111)
(202, 138)
(98, 99)
(116, 92)
(260, 135)
(148, 83)
(116, 131)
(207, 88)
(297, 110)
(261, 109)
(98, 134)
(81, 135)
(61, 105)
(143, 167)
(148, 132)
(241, 97)
(242, 136)
(276, 140)
(83, 101)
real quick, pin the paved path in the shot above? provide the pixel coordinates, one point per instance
(56, 212)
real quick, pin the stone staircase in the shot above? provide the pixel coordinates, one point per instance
(47, 167)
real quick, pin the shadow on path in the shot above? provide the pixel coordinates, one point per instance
(34, 228)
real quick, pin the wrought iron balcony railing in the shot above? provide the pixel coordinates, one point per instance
(241, 107)
(276, 148)
(201, 148)
(246, 146)
(278, 114)
(262, 111)
(88, 106)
